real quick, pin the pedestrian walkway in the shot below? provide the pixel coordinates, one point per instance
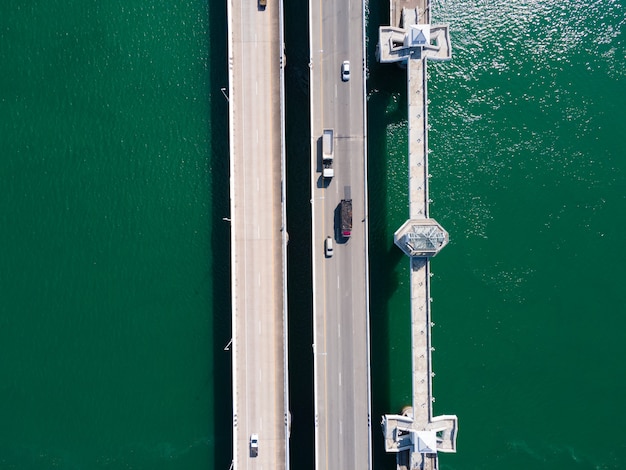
(415, 435)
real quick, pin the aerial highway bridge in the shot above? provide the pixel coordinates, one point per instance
(339, 210)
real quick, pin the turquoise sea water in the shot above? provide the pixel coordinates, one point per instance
(528, 164)
(114, 278)
(108, 279)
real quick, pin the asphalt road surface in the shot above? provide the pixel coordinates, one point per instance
(341, 345)
(256, 221)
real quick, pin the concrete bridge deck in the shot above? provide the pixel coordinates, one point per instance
(340, 283)
(258, 235)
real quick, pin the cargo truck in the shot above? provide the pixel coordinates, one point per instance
(328, 154)
(346, 217)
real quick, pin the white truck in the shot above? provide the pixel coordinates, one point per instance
(254, 445)
(328, 153)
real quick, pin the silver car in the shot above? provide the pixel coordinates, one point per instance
(345, 70)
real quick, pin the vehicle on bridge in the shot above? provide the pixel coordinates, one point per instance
(345, 70)
(328, 247)
(346, 217)
(254, 445)
(328, 151)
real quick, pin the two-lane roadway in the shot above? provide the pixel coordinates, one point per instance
(340, 283)
(260, 400)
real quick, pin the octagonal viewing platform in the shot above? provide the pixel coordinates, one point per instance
(421, 237)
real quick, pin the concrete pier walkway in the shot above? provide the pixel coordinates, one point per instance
(416, 435)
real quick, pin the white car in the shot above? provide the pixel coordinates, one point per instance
(345, 70)
(328, 247)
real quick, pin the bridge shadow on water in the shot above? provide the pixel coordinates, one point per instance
(221, 432)
(300, 302)
(385, 84)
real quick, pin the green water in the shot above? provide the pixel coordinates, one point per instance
(114, 276)
(528, 176)
(108, 279)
